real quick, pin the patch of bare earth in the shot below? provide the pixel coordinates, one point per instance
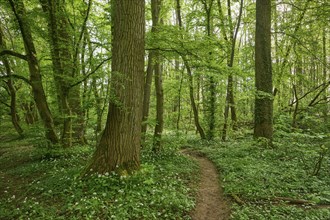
(211, 202)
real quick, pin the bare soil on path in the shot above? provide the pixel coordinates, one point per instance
(211, 202)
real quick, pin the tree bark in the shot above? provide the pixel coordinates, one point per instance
(61, 52)
(159, 108)
(155, 8)
(263, 113)
(146, 95)
(119, 147)
(211, 99)
(34, 69)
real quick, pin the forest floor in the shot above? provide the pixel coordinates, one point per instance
(37, 183)
(211, 202)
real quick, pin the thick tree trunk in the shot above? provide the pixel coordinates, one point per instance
(61, 51)
(263, 114)
(34, 69)
(119, 147)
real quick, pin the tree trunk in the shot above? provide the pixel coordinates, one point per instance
(34, 69)
(78, 123)
(263, 114)
(61, 52)
(155, 8)
(146, 95)
(11, 89)
(230, 100)
(159, 108)
(325, 78)
(178, 102)
(199, 128)
(211, 99)
(119, 147)
(30, 113)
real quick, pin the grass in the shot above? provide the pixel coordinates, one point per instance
(263, 178)
(46, 185)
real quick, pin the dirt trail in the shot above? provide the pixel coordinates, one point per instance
(211, 203)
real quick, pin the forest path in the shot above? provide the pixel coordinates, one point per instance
(211, 203)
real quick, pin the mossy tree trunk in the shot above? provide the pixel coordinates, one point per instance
(211, 93)
(263, 113)
(61, 52)
(64, 53)
(119, 147)
(34, 70)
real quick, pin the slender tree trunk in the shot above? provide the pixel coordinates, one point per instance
(12, 92)
(98, 108)
(325, 78)
(230, 100)
(34, 69)
(94, 87)
(11, 89)
(30, 114)
(155, 8)
(263, 114)
(296, 107)
(75, 99)
(146, 95)
(211, 99)
(292, 45)
(119, 147)
(78, 124)
(199, 128)
(178, 104)
(159, 108)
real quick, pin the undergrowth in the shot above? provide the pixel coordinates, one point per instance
(262, 180)
(49, 187)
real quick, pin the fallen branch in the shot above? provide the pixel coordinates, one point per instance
(237, 199)
(293, 201)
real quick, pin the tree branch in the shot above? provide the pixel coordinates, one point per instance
(5, 104)
(83, 27)
(89, 74)
(13, 53)
(324, 85)
(16, 77)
